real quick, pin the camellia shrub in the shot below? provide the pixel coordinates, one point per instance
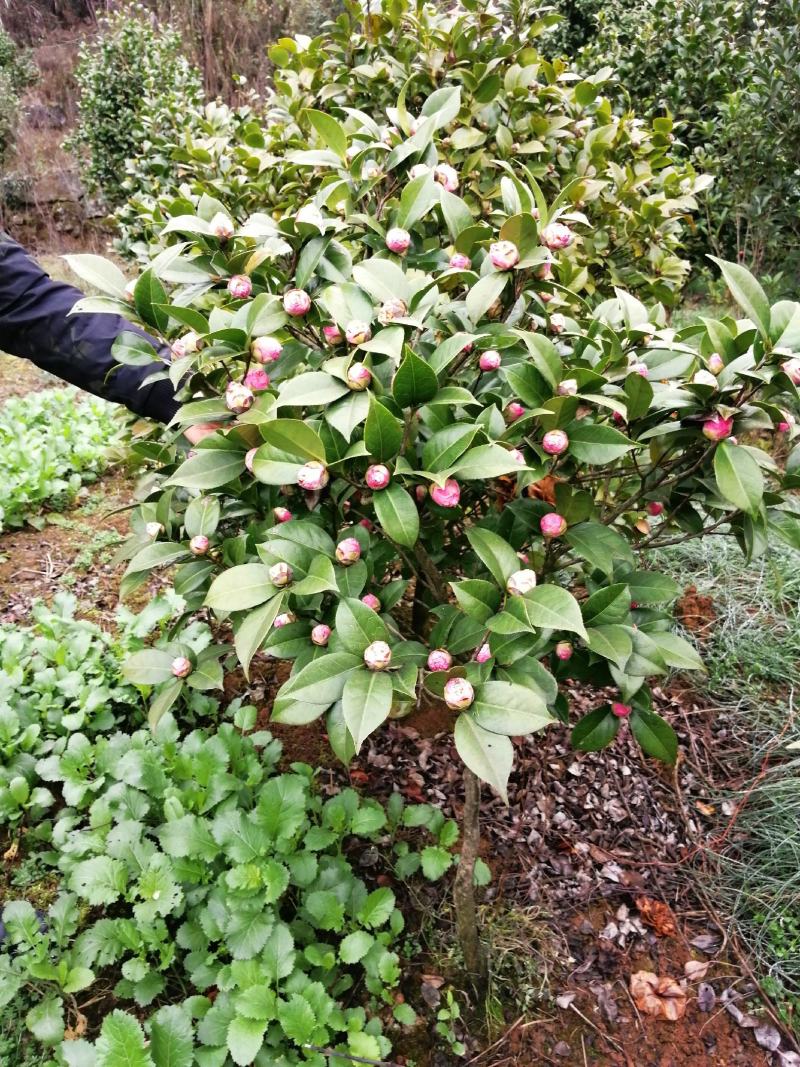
(515, 112)
(17, 72)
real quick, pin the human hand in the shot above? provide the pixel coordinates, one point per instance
(193, 434)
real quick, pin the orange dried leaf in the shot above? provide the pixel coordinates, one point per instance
(660, 997)
(657, 915)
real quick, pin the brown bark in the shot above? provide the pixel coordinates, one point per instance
(464, 888)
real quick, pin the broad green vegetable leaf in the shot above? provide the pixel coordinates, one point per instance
(46, 1022)
(245, 1038)
(240, 588)
(122, 1042)
(435, 861)
(297, 1018)
(171, 1040)
(397, 513)
(366, 703)
(655, 735)
(739, 477)
(355, 946)
(488, 755)
(377, 908)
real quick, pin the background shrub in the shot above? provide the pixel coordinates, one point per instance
(17, 72)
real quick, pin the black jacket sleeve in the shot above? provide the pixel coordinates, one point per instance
(35, 324)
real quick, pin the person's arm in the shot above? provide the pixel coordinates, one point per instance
(36, 324)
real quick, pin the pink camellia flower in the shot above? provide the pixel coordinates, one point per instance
(654, 508)
(398, 240)
(181, 667)
(348, 551)
(366, 523)
(266, 349)
(357, 332)
(358, 376)
(640, 368)
(321, 633)
(704, 377)
(490, 360)
(458, 261)
(221, 226)
(622, 711)
(715, 363)
(563, 650)
(791, 368)
(784, 427)
(296, 302)
(569, 387)
(198, 545)
(392, 310)
(556, 236)
(240, 287)
(377, 656)
(555, 442)
(447, 495)
(250, 458)
(552, 524)
(458, 693)
(440, 660)
(447, 176)
(483, 653)
(185, 346)
(514, 411)
(557, 323)
(371, 601)
(517, 456)
(282, 514)
(378, 476)
(312, 476)
(280, 574)
(503, 255)
(521, 582)
(153, 529)
(717, 428)
(238, 397)
(333, 335)
(285, 619)
(257, 379)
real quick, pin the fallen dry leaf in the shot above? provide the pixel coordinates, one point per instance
(696, 969)
(544, 489)
(11, 852)
(73, 1033)
(657, 915)
(661, 998)
(706, 997)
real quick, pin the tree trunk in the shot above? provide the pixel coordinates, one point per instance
(464, 888)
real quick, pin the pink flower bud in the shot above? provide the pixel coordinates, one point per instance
(377, 656)
(523, 556)
(504, 255)
(266, 349)
(552, 525)
(556, 236)
(517, 456)
(447, 495)
(557, 323)
(622, 711)
(357, 332)
(569, 387)
(250, 458)
(238, 398)
(348, 551)
(545, 299)
(280, 574)
(458, 693)
(198, 545)
(240, 287)
(358, 376)
(153, 529)
(791, 368)
(440, 660)
(641, 369)
(717, 428)
(490, 360)
(321, 633)
(545, 270)
(378, 476)
(555, 442)
(398, 240)
(185, 346)
(296, 302)
(312, 476)
(514, 411)
(371, 601)
(286, 619)
(257, 379)
(371, 170)
(366, 523)
(563, 650)
(521, 582)
(458, 261)
(421, 492)
(617, 416)
(447, 176)
(654, 508)
(282, 514)
(333, 335)
(222, 226)
(181, 667)
(392, 310)
(418, 170)
(715, 363)
(784, 427)
(704, 377)
(483, 653)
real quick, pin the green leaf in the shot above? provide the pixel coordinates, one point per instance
(98, 272)
(416, 200)
(488, 755)
(739, 477)
(321, 578)
(355, 946)
(313, 389)
(595, 730)
(122, 1042)
(357, 626)
(239, 588)
(507, 708)
(484, 293)
(610, 604)
(46, 1022)
(294, 437)
(245, 1038)
(590, 443)
(149, 296)
(477, 598)
(99, 880)
(497, 555)
(655, 735)
(676, 651)
(252, 631)
(161, 554)
(171, 1041)
(486, 461)
(326, 909)
(366, 703)
(651, 587)
(297, 1018)
(383, 433)
(638, 396)
(331, 131)
(446, 445)
(414, 383)
(323, 680)
(611, 642)
(457, 215)
(599, 545)
(397, 513)
(133, 350)
(548, 607)
(202, 516)
(377, 908)
(747, 293)
(209, 469)
(435, 861)
(149, 666)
